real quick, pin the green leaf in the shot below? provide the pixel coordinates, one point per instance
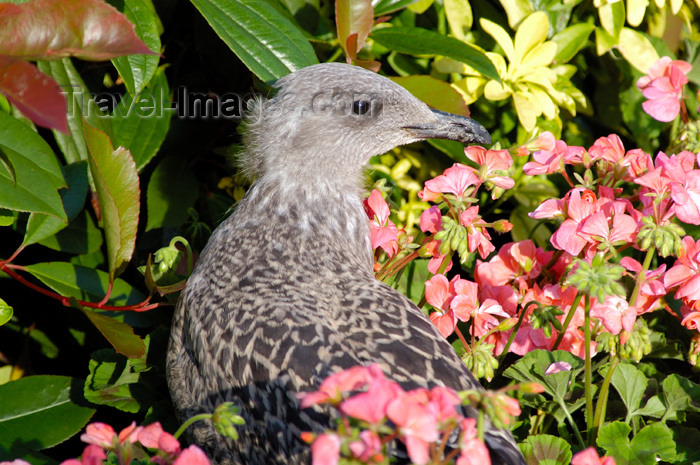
(82, 283)
(532, 368)
(637, 49)
(459, 17)
(35, 94)
(570, 40)
(353, 17)
(419, 41)
(630, 383)
(81, 236)
(652, 441)
(5, 312)
(612, 18)
(119, 334)
(269, 44)
(80, 105)
(141, 123)
(117, 184)
(687, 440)
(40, 226)
(411, 282)
(383, 7)
(172, 190)
(38, 176)
(544, 449)
(41, 411)
(679, 394)
(435, 92)
(53, 29)
(113, 380)
(137, 70)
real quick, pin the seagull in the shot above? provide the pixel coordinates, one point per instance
(284, 293)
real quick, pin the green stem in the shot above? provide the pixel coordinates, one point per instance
(511, 338)
(185, 425)
(641, 277)
(480, 424)
(569, 317)
(588, 367)
(603, 395)
(563, 406)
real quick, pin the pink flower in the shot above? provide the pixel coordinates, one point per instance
(370, 406)
(616, 315)
(686, 196)
(547, 161)
(590, 457)
(416, 424)
(444, 400)
(382, 230)
(581, 204)
(332, 388)
(685, 273)
(474, 451)
(491, 163)
(438, 294)
(92, 455)
(663, 86)
(455, 180)
(557, 367)
(607, 148)
(484, 318)
(22, 462)
(193, 455)
(597, 228)
(368, 449)
(478, 237)
(325, 450)
(638, 162)
(431, 220)
(153, 437)
(103, 435)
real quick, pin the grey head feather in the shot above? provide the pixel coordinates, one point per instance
(284, 295)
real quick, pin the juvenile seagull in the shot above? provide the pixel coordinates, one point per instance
(284, 293)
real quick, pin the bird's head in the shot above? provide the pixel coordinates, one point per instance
(331, 118)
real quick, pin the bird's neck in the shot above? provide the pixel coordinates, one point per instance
(326, 215)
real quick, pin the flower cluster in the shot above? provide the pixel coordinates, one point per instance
(663, 86)
(375, 411)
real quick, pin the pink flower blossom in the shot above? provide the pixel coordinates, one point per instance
(382, 230)
(663, 86)
(581, 204)
(332, 388)
(616, 315)
(652, 290)
(478, 237)
(685, 273)
(153, 437)
(557, 367)
(103, 435)
(416, 424)
(589, 456)
(193, 455)
(92, 455)
(455, 180)
(368, 449)
(552, 160)
(22, 462)
(638, 162)
(686, 196)
(607, 148)
(444, 400)
(431, 220)
(474, 451)
(597, 228)
(370, 406)
(325, 450)
(491, 163)
(438, 294)
(484, 318)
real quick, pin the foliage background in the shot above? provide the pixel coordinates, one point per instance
(188, 183)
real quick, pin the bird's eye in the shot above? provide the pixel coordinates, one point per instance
(360, 107)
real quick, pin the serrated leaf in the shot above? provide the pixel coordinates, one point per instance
(435, 92)
(419, 41)
(141, 123)
(40, 226)
(630, 383)
(41, 411)
(33, 93)
(679, 394)
(570, 40)
(268, 43)
(119, 334)
(650, 442)
(53, 29)
(118, 193)
(544, 449)
(137, 70)
(82, 283)
(38, 175)
(5, 312)
(172, 189)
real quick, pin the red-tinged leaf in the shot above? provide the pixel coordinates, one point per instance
(119, 334)
(34, 93)
(53, 29)
(353, 17)
(117, 183)
(436, 93)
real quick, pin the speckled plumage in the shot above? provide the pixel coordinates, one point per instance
(284, 293)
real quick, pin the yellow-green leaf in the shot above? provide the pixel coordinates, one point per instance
(499, 35)
(531, 32)
(353, 17)
(528, 109)
(459, 17)
(635, 11)
(119, 334)
(436, 93)
(117, 184)
(570, 40)
(612, 17)
(516, 10)
(637, 49)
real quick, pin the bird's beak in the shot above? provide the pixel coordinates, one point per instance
(452, 127)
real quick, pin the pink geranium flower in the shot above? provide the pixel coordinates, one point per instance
(193, 455)
(153, 437)
(370, 406)
(663, 86)
(492, 165)
(455, 180)
(92, 455)
(478, 237)
(589, 456)
(416, 424)
(325, 450)
(438, 294)
(333, 387)
(368, 449)
(620, 230)
(580, 205)
(685, 273)
(382, 230)
(474, 451)
(686, 196)
(552, 160)
(616, 315)
(103, 435)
